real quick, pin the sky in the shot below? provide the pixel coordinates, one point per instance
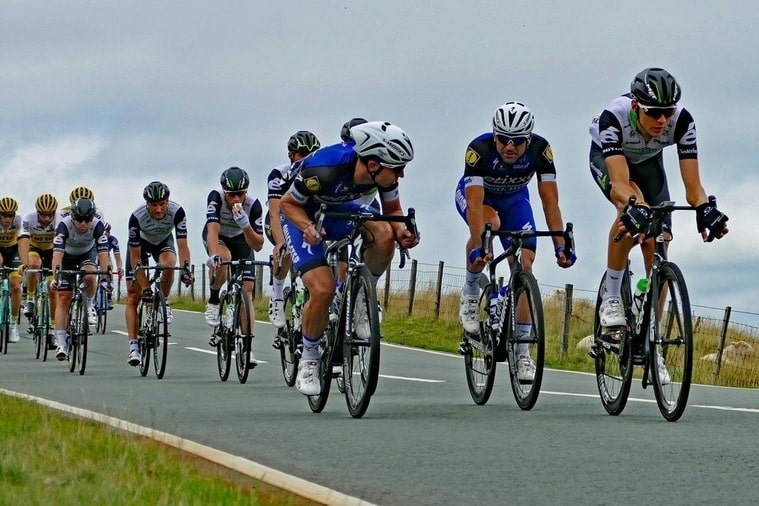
(113, 95)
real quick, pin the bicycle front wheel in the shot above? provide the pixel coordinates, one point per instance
(613, 356)
(84, 331)
(5, 321)
(361, 348)
(144, 337)
(243, 336)
(288, 338)
(318, 402)
(43, 325)
(671, 355)
(37, 328)
(479, 354)
(525, 340)
(224, 346)
(75, 322)
(102, 310)
(159, 341)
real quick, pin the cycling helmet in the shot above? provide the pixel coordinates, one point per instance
(107, 227)
(514, 119)
(79, 192)
(82, 208)
(383, 140)
(345, 132)
(8, 205)
(655, 87)
(303, 142)
(155, 192)
(234, 179)
(46, 204)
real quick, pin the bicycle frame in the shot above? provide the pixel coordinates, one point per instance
(5, 308)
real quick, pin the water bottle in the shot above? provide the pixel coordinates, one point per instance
(230, 316)
(641, 288)
(495, 314)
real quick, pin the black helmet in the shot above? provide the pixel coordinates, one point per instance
(345, 132)
(234, 179)
(82, 209)
(303, 142)
(155, 192)
(655, 87)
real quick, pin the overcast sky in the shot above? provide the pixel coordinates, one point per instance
(116, 94)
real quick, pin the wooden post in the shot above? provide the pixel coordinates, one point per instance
(412, 286)
(259, 286)
(203, 281)
(721, 346)
(439, 288)
(568, 291)
(386, 295)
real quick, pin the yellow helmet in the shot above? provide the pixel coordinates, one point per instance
(79, 192)
(8, 205)
(46, 204)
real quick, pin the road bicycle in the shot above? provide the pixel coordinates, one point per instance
(39, 320)
(498, 339)
(354, 359)
(153, 328)
(661, 332)
(5, 308)
(289, 340)
(78, 327)
(234, 332)
(102, 307)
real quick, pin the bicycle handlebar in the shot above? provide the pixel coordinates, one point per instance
(659, 211)
(520, 235)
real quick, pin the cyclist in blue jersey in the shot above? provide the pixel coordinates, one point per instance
(338, 175)
(498, 165)
(301, 144)
(626, 159)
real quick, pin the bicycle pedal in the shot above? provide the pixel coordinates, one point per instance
(252, 365)
(465, 348)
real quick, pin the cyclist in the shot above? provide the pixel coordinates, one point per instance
(233, 231)
(113, 246)
(10, 228)
(626, 159)
(79, 242)
(498, 165)
(35, 245)
(150, 235)
(338, 175)
(301, 144)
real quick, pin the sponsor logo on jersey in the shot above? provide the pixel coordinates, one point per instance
(548, 153)
(610, 135)
(312, 183)
(471, 157)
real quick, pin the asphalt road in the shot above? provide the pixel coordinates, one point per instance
(423, 440)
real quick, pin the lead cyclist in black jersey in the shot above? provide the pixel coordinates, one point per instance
(626, 159)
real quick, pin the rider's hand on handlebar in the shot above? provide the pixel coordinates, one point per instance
(477, 259)
(635, 220)
(311, 235)
(708, 217)
(213, 261)
(562, 260)
(406, 239)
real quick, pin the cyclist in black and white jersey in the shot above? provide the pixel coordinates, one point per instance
(301, 144)
(626, 159)
(150, 236)
(79, 242)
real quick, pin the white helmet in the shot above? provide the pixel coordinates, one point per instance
(386, 141)
(513, 118)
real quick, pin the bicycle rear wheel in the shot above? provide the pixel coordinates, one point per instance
(159, 341)
(5, 321)
(242, 336)
(144, 337)
(102, 310)
(613, 356)
(84, 337)
(36, 328)
(74, 324)
(479, 354)
(361, 349)
(289, 338)
(224, 346)
(43, 323)
(672, 342)
(318, 402)
(526, 347)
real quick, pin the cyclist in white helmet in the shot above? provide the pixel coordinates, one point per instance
(498, 165)
(338, 175)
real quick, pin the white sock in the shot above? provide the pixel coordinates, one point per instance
(523, 331)
(613, 284)
(277, 288)
(472, 284)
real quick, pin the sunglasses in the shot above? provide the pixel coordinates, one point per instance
(86, 219)
(7, 215)
(658, 112)
(237, 193)
(396, 170)
(517, 140)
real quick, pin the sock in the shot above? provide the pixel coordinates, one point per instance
(60, 337)
(310, 348)
(613, 284)
(472, 284)
(133, 344)
(214, 296)
(523, 331)
(277, 288)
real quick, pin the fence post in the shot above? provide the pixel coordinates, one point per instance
(203, 281)
(439, 288)
(411, 286)
(386, 295)
(192, 286)
(568, 292)
(259, 286)
(721, 346)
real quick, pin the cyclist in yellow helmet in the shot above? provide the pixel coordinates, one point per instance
(10, 226)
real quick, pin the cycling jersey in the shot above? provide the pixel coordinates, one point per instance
(9, 236)
(71, 242)
(113, 244)
(218, 211)
(143, 228)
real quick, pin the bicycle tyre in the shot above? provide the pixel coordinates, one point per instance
(160, 335)
(73, 341)
(526, 393)
(318, 402)
(102, 310)
(84, 333)
(672, 341)
(288, 340)
(143, 339)
(614, 363)
(479, 354)
(224, 347)
(36, 328)
(361, 356)
(5, 320)
(44, 324)
(242, 336)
